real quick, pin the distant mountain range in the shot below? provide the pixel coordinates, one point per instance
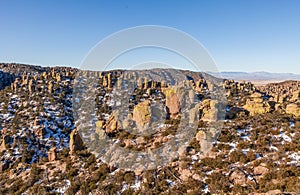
(257, 76)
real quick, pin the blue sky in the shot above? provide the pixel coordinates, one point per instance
(253, 35)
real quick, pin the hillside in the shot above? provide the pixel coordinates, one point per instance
(51, 132)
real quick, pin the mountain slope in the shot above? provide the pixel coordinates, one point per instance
(258, 76)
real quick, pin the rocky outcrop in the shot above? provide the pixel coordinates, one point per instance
(238, 177)
(99, 129)
(173, 101)
(282, 92)
(40, 118)
(261, 169)
(234, 88)
(209, 110)
(76, 142)
(50, 87)
(236, 111)
(58, 77)
(111, 125)
(41, 132)
(293, 109)
(256, 105)
(30, 86)
(52, 154)
(185, 174)
(194, 114)
(204, 139)
(5, 140)
(142, 114)
(295, 96)
(200, 136)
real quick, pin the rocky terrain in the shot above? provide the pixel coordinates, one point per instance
(44, 149)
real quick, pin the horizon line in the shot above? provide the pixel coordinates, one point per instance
(221, 71)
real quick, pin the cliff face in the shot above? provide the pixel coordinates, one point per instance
(44, 147)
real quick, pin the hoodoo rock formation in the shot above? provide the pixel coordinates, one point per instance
(256, 105)
(43, 123)
(142, 114)
(76, 142)
(173, 100)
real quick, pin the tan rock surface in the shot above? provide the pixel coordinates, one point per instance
(173, 100)
(260, 170)
(142, 114)
(52, 154)
(185, 174)
(255, 105)
(112, 125)
(293, 109)
(76, 142)
(238, 177)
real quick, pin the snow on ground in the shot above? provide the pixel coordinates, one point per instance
(295, 158)
(63, 189)
(245, 151)
(206, 190)
(136, 185)
(233, 147)
(124, 187)
(273, 148)
(284, 137)
(170, 182)
(258, 156)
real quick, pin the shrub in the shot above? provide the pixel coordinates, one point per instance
(129, 177)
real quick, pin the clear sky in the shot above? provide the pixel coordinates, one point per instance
(241, 35)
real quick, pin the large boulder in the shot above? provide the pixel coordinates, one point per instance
(100, 132)
(52, 154)
(173, 100)
(293, 109)
(111, 125)
(194, 114)
(236, 111)
(142, 114)
(205, 142)
(140, 140)
(257, 97)
(5, 140)
(200, 136)
(296, 96)
(209, 110)
(238, 177)
(255, 105)
(185, 174)
(76, 142)
(261, 170)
